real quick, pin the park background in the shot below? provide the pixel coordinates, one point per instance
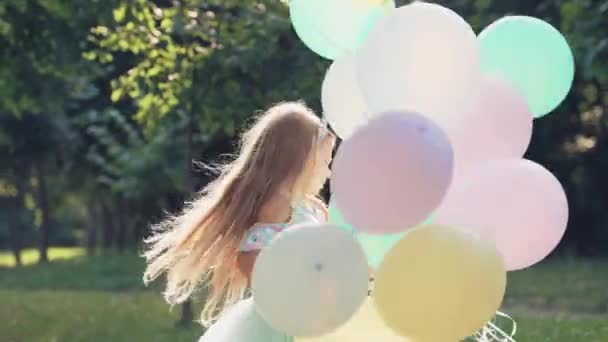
(104, 104)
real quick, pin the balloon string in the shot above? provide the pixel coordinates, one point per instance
(491, 332)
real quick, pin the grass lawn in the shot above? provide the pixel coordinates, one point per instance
(30, 256)
(57, 316)
(102, 299)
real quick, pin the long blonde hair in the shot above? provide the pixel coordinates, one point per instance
(198, 248)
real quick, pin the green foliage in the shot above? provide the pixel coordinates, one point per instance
(128, 163)
(34, 138)
(216, 61)
(42, 69)
(104, 93)
(586, 24)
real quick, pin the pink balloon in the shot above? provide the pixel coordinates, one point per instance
(498, 126)
(516, 202)
(392, 173)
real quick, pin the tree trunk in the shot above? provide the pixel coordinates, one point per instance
(187, 316)
(18, 226)
(12, 220)
(108, 225)
(17, 254)
(93, 228)
(122, 225)
(139, 227)
(43, 245)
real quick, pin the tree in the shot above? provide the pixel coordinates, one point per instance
(43, 74)
(12, 198)
(132, 169)
(213, 63)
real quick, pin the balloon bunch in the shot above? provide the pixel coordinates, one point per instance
(430, 187)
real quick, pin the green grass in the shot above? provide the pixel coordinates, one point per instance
(30, 256)
(88, 316)
(106, 272)
(561, 285)
(101, 298)
(566, 329)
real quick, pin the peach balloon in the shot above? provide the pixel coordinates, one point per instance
(498, 126)
(516, 202)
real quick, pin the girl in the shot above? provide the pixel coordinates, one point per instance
(282, 166)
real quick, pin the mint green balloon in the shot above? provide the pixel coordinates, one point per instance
(336, 27)
(374, 246)
(533, 55)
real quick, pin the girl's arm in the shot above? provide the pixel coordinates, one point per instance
(245, 261)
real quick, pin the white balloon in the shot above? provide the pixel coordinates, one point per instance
(310, 280)
(421, 57)
(343, 104)
(515, 202)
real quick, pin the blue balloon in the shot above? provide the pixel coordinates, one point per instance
(374, 246)
(533, 55)
(332, 28)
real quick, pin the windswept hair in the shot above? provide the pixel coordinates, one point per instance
(198, 248)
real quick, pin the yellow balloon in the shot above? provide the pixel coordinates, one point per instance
(365, 326)
(439, 284)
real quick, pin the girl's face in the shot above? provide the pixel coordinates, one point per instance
(320, 165)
